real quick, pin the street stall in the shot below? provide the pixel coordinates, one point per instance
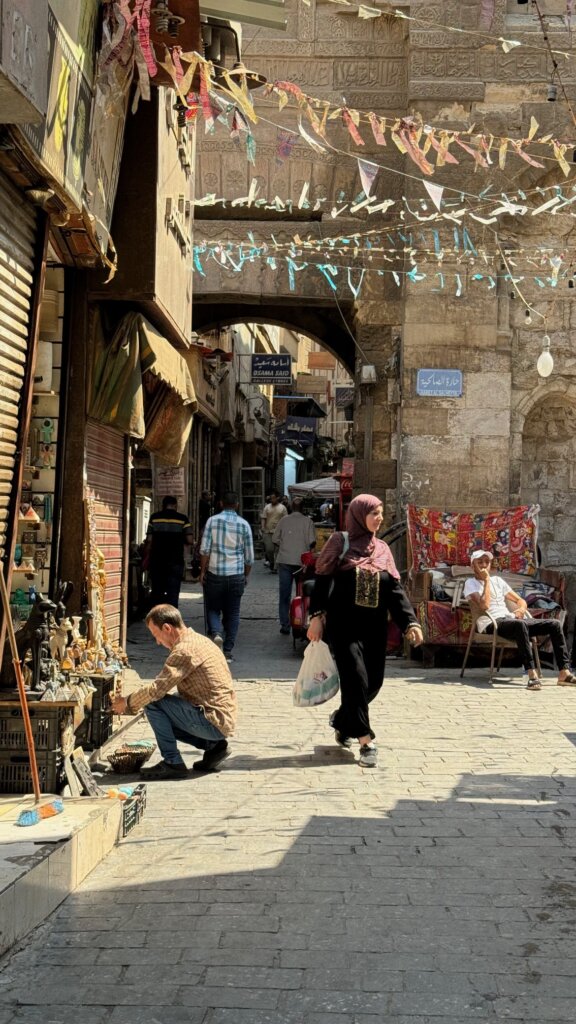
(322, 501)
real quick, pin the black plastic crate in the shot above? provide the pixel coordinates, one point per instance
(101, 716)
(133, 808)
(45, 724)
(15, 775)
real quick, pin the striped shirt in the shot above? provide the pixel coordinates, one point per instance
(168, 531)
(227, 539)
(200, 673)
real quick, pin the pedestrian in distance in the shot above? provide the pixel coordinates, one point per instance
(203, 711)
(357, 585)
(169, 532)
(492, 594)
(293, 536)
(272, 513)
(226, 559)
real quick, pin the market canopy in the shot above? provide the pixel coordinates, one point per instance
(325, 487)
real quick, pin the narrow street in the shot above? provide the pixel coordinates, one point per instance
(295, 888)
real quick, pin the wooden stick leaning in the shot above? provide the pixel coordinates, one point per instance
(21, 688)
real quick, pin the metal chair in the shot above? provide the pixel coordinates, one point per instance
(495, 642)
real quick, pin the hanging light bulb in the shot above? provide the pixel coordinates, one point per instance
(545, 363)
(528, 319)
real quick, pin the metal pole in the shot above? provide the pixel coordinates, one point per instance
(368, 433)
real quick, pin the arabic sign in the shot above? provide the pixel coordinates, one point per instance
(271, 369)
(344, 397)
(439, 383)
(170, 481)
(297, 428)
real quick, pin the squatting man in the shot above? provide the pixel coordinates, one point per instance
(492, 595)
(201, 713)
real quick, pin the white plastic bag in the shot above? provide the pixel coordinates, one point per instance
(317, 679)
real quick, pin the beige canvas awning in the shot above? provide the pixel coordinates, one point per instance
(267, 13)
(116, 389)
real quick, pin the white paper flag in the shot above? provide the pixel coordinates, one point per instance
(367, 172)
(435, 192)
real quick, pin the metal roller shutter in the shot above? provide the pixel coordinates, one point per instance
(17, 247)
(105, 483)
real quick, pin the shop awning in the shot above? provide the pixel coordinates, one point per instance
(307, 406)
(117, 391)
(164, 361)
(267, 13)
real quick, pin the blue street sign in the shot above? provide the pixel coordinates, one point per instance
(439, 383)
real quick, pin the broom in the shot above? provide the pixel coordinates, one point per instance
(49, 809)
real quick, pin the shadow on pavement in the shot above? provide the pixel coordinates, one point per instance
(434, 911)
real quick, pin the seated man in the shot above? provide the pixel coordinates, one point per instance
(492, 594)
(202, 712)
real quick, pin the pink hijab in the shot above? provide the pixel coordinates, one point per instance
(365, 550)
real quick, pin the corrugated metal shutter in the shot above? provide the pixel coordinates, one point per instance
(105, 477)
(17, 245)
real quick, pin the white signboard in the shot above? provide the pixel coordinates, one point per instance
(170, 481)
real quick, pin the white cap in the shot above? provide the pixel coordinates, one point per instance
(479, 554)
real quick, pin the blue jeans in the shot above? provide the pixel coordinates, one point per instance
(222, 596)
(285, 581)
(173, 718)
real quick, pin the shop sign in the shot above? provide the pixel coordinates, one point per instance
(321, 361)
(344, 397)
(62, 140)
(170, 481)
(348, 468)
(271, 369)
(308, 384)
(297, 428)
(439, 383)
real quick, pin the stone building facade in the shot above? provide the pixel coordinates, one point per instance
(509, 438)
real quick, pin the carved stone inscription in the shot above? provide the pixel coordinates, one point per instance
(365, 74)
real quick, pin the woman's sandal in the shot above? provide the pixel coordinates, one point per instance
(534, 684)
(569, 680)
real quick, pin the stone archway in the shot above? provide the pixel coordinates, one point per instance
(548, 478)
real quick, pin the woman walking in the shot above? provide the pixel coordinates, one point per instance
(354, 613)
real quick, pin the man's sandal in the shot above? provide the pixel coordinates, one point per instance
(534, 684)
(569, 680)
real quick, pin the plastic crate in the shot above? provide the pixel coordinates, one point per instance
(45, 724)
(15, 776)
(101, 717)
(133, 809)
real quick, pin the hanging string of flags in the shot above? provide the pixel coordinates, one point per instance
(223, 95)
(197, 81)
(487, 211)
(414, 246)
(233, 258)
(367, 11)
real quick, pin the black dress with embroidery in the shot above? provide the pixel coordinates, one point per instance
(357, 637)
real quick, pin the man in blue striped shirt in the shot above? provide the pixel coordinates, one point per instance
(226, 557)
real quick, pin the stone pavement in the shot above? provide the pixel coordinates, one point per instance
(294, 887)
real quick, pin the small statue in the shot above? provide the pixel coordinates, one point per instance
(59, 640)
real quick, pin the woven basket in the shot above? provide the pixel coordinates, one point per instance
(127, 760)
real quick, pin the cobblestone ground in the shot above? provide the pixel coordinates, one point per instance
(296, 888)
